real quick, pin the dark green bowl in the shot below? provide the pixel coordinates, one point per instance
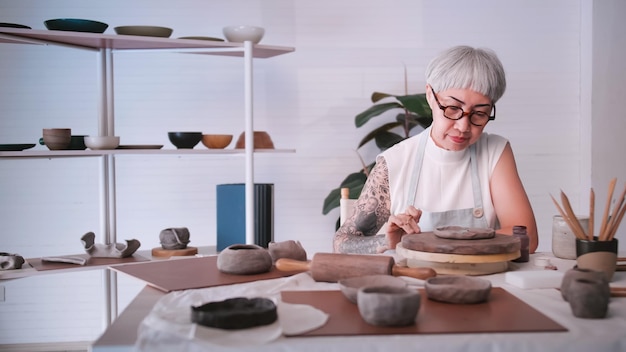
(76, 25)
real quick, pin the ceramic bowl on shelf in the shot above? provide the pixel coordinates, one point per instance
(262, 140)
(184, 140)
(76, 25)
(102, 142)
(241, 33)
(216, 141)
(57, 138)
(146, 31)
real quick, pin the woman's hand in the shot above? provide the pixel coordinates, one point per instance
(402, 224)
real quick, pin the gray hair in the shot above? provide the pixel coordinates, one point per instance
(464, 67)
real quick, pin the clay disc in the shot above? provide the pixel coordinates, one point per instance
(166, 253)
(455, 258)
(464, 233)
(429, 242)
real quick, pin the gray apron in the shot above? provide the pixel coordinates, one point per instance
(470, 217)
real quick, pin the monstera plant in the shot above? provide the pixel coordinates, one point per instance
(413, 112)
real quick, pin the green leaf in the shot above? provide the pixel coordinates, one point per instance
(377, 96)
(416, 103)
(355, 182)
(382, 129)
(362, 118)
(387, 139)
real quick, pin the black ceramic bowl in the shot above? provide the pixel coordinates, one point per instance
(185, 140)
(76, 25)
(14, 25)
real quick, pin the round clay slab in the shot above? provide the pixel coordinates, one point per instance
(457, 289)
(235, 313)
(428, 242)
(464, 233)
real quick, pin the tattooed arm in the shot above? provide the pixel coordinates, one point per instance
(359, 233)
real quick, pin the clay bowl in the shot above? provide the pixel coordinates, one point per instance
(244, 259)
(388, 306)
(57, 138)
(184, 140)
(262, 140)
(242, 33)
(76, 25)
(216, 141)
(457, 289)
(350, 286)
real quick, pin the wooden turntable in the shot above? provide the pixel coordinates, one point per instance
(459, 256)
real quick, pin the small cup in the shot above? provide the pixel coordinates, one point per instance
(563, 239)
(388, 306)
(57, 138)
(597, 255)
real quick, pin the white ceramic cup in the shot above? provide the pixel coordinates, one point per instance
(563, 238)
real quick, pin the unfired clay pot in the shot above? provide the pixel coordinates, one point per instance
(244, 259)
(10, 261)
(112, 250)
(287, 249)
(589, 299)
(174, 238)
(457, 289)
(388, 306)
(580, 273)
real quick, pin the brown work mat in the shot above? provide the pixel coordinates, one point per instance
(41, 265)
(502, 313)
(181, 274)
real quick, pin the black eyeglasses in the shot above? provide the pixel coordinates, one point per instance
(476, 118)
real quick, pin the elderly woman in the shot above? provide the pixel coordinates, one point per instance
(451, 174)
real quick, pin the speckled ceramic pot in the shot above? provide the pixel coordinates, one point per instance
(589, 299)
(388, 306)
(244, 259)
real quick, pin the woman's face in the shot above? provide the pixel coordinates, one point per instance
(456, 134)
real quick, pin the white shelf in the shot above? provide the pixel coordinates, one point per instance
(94, 41)
(91, 153)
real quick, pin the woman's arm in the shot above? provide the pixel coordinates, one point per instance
(510, 200)
(359, 233)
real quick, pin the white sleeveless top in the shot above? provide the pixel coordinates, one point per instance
(445, 181)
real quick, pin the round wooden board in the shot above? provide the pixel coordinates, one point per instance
(471, 269)
(455, 258)
(166, 253)
(429, 242)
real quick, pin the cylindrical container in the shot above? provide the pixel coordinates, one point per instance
(563, 238)
(520, 232)
(597, 255)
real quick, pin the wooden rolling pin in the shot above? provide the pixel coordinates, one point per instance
(332, 267)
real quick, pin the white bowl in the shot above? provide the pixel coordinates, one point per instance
(102, 142)
(240, 34)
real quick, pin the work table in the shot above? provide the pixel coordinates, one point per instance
(581, 335)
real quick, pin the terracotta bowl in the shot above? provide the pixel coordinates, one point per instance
(244, 259)
(350, 286)
(457, 289)
(216, 141)
(388, 306)
(262, 140)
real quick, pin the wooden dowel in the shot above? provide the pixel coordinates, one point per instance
(615, 224)
(592, 207)
(605, 217)
(567, 220)
(614, 219)
(568, 210)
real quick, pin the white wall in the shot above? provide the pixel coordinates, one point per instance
(306, 100)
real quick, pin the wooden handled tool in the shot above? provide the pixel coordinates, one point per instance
(332, 267)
